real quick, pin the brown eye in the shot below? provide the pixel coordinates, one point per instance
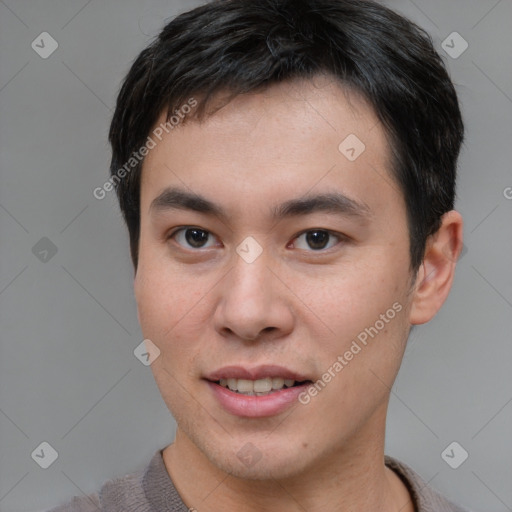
(195, 238)
(316, 239)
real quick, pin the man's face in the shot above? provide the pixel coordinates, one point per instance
(264, 289)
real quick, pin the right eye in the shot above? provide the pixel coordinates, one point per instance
(193, 238)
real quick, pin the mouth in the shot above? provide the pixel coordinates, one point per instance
(256, 392)
(260, 387)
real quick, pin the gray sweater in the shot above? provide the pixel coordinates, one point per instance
(152, 490)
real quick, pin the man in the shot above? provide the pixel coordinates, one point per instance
(286, 170)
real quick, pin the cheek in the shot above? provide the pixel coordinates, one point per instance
(354, 296)
(172, 310)
(153, 304)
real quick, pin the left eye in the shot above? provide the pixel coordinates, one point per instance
(316, 239)
(195, 238)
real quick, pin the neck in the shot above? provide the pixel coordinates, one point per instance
(351, 478)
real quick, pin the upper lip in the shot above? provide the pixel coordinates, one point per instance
(255, 373)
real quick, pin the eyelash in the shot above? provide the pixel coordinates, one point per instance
(341, 238)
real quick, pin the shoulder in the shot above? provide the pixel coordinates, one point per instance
(145, 490)
(426, 498)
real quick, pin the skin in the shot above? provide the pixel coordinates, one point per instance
(205, 307)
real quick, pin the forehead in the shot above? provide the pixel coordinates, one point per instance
(291, 136)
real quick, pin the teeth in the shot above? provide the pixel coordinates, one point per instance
(262, 385)
(245, 386)
(277, 383)
(256, 387)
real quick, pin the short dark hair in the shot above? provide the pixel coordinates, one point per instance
(240, 46)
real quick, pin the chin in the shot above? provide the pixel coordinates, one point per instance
(258, 459)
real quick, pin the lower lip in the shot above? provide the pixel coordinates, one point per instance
(256, 406)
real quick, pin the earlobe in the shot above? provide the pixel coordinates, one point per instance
(437, 271)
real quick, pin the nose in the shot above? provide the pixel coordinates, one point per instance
(254, 303)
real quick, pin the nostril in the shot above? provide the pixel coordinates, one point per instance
(265, 330)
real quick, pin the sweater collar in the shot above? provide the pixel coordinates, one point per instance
(163, 496)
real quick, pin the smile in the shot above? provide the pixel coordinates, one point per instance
(259, 387)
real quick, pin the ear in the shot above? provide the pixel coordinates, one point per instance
(435, 275)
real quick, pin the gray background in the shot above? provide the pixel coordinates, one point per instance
(68, 375)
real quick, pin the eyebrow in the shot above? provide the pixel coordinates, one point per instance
(333, 202)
